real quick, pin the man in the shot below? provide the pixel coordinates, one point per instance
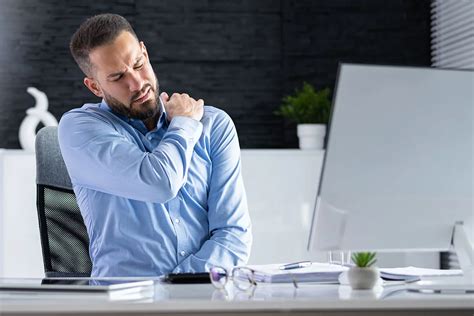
(158, 183)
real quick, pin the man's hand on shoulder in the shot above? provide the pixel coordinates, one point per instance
(181, 104)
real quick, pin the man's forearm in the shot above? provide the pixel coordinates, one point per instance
(227, 248)
(100, 158)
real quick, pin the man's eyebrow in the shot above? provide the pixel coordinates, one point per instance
(116, 74)
(139, 58)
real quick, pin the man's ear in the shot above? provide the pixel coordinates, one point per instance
(93, 86)
(143, 47)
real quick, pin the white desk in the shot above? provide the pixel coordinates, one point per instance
(268, 299)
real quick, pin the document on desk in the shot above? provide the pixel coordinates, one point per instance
(316, 272)
(419, 272)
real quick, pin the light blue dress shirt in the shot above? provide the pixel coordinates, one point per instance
(161, 201)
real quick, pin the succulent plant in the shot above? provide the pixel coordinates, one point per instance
(364, 259)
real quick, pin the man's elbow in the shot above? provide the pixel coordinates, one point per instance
(246, 249)
(164, 194)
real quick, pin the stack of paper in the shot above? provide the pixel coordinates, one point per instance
(316, 272)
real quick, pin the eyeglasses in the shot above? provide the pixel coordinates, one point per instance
(243, 277)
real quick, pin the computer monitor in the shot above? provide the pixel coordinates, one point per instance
(398, 171)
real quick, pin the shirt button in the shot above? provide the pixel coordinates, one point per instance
(176, 220)
(182, 253)
(149, 137)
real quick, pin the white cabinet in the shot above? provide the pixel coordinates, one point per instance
(281, 188)
(280, 185)
(20, 248)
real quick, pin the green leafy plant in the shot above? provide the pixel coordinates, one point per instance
(364, 259)
(307, 106)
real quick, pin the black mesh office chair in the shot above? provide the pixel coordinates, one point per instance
(64, 239)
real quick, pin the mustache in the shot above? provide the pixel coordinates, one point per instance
(137, 95)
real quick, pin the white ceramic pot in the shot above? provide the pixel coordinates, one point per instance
(363, 278)
(311, 136)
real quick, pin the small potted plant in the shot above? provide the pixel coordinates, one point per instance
(363, 275)
(310, 109)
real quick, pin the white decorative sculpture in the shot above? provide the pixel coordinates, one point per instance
(35, 115)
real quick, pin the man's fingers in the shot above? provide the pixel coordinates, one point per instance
(175, 95)
(181, 104)
(164, 96)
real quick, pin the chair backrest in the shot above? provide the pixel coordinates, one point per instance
(64, 239)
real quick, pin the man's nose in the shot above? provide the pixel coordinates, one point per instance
(135, 82)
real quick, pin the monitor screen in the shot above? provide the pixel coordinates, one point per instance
(398, 171)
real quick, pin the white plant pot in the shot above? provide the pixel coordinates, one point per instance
(311, 136)
(363, 278)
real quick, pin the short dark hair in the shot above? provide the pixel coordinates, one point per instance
(93, 32)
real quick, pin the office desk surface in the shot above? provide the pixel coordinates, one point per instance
(267, 299)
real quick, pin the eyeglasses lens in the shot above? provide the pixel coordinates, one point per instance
(218, 277)
(243, 278)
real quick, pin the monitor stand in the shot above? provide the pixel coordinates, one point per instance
(465, 252)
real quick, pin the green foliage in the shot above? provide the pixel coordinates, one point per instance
(364, 259)
(307, 106)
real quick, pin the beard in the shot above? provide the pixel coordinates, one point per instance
(143, 111)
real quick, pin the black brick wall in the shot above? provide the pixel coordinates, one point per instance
(242, 56)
